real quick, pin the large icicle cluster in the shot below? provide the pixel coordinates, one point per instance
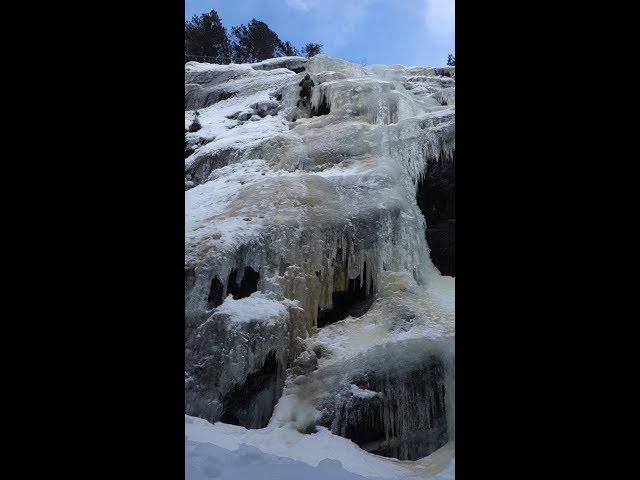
(292, 209)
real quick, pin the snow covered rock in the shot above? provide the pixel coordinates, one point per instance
(241, 337)
(310, 297)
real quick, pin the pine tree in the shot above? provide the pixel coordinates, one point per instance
(255, 42)
(204, 35)
(451, 60)
(312, 49)
(289, 50)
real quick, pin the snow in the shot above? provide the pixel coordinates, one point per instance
(209, 461)
(256, 307)
(281, 62)
(230, 452)
(362, 393)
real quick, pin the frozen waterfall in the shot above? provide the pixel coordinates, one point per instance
(311, 299)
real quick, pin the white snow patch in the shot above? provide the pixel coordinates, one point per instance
(267, 452)
(363, 393)
(256, 307)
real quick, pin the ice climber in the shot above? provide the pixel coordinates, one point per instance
(305, 92)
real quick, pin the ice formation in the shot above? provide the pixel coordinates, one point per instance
(311, 301)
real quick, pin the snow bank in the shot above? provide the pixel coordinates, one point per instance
(206, 461)
(229, 452)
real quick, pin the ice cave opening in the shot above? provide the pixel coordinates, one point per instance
(405, 418)
(435, 195)
(216, 291)
(323, 108)
(247, 286)
(251, 404)
(355, 301)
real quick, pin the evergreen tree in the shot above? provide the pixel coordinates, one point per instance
(451, 60)
(312, 49)
(204, 35)
(255, 42)
(289, 50)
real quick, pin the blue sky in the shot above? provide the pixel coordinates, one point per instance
(408, 32)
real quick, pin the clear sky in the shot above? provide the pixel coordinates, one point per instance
(408, 32)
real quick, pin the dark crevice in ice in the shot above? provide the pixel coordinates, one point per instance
(441, 72)
(355, 301)
(189, 278)
(323, 108)
(248, 284)
(216, 291)
(188, 149)
(251, 404)
(206, 163)
(191, 145)
(407, 421)
(435, 195)
(195, 126)
(217, 96)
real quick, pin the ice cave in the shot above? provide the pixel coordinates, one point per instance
(320, 264)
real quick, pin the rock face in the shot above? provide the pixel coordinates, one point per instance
(311, 298)
(436, 194)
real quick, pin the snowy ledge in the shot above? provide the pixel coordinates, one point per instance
(257, 307)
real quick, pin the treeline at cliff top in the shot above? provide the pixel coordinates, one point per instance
(206, 39)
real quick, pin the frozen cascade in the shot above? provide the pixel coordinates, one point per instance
(307, 269)
(406, 419)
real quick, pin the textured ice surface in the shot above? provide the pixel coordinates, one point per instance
(310, 197)
(391, 349)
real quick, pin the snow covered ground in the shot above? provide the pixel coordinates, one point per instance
(229, 452)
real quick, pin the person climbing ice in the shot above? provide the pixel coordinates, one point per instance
(305, 92)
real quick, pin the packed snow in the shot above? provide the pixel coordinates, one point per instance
(223, 451)
(257, 307)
